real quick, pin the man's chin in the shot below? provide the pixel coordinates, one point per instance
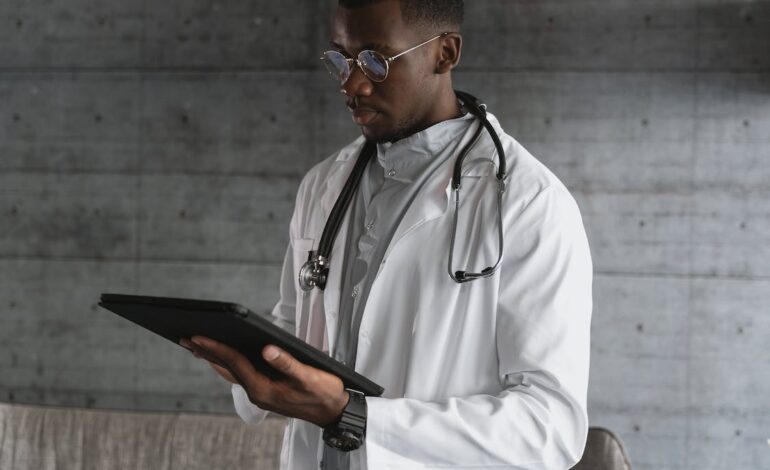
(379, 136)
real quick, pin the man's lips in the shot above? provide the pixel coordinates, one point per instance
(363, 116)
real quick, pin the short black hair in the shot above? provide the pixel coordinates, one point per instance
(433, 13)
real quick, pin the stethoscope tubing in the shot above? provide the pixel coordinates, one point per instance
(314, 272)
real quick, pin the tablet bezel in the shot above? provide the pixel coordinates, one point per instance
(203, 317)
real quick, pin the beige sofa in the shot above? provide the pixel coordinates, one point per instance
(48, 438)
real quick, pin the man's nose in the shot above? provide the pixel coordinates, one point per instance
(357, 84)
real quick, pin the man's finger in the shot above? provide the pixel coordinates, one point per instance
(224, 373)
(235, 362)
(202, 353)
(283, 362)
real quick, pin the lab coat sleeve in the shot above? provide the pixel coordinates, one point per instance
(538, 420)
(283, 316)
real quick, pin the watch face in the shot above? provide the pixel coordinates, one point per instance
(345, 441)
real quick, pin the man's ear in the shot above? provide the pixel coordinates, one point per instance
(449, 55)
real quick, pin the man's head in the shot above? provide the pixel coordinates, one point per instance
(418, 89)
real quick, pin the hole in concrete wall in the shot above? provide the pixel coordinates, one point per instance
(738, 432)
(647, 19)
(12, 304)
(640, 328)
(645, 122)
(547, 121)
(16, 117)
(19, 23)
(641, 223)
(743, 225)
(637, 428)
(183, 213)
(90, 402)
(273, 118)
(184, 118)
(739, 330)
(551, 20)
(746, 123)
(100, 21)
(11, 396)
(182, 38)
(14, 210)
(98, 118)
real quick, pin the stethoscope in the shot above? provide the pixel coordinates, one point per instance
(315, 271)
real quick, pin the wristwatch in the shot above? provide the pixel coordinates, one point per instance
(349, 432)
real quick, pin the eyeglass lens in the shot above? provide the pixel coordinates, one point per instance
(336, 65)
(373, 64)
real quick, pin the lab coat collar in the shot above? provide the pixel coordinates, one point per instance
(432, 201)
(405, 159)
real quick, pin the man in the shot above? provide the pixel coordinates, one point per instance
(488, 373)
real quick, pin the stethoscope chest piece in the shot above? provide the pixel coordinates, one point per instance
(314, 272)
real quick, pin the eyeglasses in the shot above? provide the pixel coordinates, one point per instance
(373, 64)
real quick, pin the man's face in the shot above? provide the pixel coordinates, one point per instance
(401, 105)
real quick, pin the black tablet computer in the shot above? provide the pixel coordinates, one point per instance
(231, 324)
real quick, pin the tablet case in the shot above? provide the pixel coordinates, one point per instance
(231, 324)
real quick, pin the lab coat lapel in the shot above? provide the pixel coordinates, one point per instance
(335, 181)
(430, 203)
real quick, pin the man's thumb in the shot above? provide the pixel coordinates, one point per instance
(279, 359)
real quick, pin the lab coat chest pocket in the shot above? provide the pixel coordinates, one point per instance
(309, 317)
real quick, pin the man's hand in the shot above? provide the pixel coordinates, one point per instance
(303, 392)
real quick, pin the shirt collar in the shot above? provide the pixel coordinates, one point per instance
(404, 159)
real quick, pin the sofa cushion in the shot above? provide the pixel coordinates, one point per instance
(33, 437)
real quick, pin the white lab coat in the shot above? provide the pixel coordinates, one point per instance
(491, 373)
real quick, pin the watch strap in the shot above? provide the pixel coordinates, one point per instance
(349, 432)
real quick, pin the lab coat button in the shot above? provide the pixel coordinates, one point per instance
(355, 292)
(369, 226)
(391, 173)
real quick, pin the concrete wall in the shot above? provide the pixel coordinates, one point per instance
(155, 147)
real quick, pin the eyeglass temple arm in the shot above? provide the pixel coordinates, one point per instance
(391, 59)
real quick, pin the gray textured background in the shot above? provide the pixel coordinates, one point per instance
(155, 148)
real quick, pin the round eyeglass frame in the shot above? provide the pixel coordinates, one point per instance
(343, 77)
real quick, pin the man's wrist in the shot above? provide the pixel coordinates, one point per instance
(339, 408)
(349, 432)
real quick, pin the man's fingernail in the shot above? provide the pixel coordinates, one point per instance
(271, 353)
(197, 341)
